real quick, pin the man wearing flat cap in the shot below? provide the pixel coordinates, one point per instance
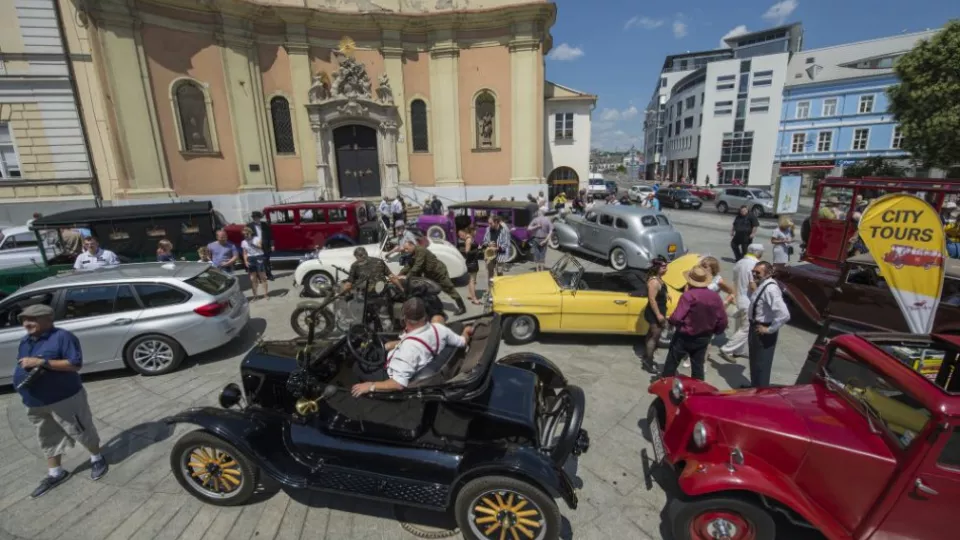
(47, 378)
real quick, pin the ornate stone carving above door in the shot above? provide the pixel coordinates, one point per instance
(347, 97)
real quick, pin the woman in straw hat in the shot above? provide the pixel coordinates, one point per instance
(782, 240)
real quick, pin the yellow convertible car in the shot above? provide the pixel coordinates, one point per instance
(566, 299)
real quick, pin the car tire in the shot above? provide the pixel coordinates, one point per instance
(757, 211)
(514, 253)
(618, 259)
(665, 338)
(318, 284)
(203, 447)
(336, 244)
(436, 232)
(553, 241)
(722, 207)
(520, 329)
(692, 518)
(153, 354)
(539, 514)
(676, 204)
(325, 321)
(656, 411)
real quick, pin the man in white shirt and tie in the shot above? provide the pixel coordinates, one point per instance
(767, 314)
(743, 280)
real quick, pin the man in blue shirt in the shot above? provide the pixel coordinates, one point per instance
(47, 378)
(224, 253)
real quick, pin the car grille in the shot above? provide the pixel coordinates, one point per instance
(380, 486)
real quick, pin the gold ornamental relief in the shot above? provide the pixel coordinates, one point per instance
(347, 46)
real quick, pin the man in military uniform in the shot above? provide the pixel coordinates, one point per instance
(368, 270)
(425, 264)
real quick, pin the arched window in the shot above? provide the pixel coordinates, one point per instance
(485, 106)
(419, 131)
(282, 126)
(191, 107)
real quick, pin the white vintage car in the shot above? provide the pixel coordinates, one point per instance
(326, 267)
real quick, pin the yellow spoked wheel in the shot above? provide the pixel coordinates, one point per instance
(502, 508)
(212, 469)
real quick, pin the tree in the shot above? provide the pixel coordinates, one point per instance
(926, 102)
(621, 169)
(874, 166)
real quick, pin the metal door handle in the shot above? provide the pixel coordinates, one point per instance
(923, 488)
(121, 322)
(619, 302)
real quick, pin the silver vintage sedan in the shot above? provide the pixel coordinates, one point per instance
(146, 317)
(626, 236)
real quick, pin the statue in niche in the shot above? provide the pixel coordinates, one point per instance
(485, 130)
(351, 79)
(320, 90)
(384, 91)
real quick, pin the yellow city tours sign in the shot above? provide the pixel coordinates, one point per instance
(905, 236)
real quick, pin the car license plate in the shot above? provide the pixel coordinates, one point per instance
(656, 437)
(672, 248)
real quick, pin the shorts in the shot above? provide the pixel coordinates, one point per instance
(538, 250)
(255, 264)
(64, 423)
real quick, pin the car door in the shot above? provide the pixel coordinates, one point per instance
(10, 329)
(925, 507)
(865, 301)
(101, 316)
(605, 234)
(588, 230)
(603, 312)
(314, 227)
(283, 227)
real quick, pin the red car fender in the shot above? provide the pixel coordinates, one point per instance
(755, 476)
(661, 388)
(801, 301)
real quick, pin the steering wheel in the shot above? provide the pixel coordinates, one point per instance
(366, 348)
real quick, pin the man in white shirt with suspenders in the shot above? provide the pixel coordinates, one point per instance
(418, 346)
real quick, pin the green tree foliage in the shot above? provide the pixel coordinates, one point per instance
(621, 169)
(874, 166)
(926, 103)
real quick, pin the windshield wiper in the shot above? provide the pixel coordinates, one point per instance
(835, 384)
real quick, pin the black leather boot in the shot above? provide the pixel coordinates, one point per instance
(461, 308)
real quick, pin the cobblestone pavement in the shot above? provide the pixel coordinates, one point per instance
(140, 499)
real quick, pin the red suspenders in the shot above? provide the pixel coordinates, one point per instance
(436, 334)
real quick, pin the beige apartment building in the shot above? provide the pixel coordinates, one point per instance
(249, 102)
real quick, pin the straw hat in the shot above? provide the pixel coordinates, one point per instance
(697, 277)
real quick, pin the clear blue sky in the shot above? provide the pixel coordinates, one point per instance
(615, 48)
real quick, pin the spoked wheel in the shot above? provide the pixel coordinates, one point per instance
(553, 241)
(318, 284)
(499, 507)
(720, 517)
(436, 232)
(514, 253)
(212, 469)
(303, 315)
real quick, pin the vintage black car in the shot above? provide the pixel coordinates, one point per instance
(485, 439)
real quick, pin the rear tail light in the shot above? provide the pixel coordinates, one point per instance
(212, 310)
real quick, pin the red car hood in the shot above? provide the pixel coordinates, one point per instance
(812, 436)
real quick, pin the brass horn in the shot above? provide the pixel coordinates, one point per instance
(306, 407)
(490, 253)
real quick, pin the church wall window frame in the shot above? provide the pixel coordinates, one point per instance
(274, 143)
(428, 127)
(213, 143)
(475, 143)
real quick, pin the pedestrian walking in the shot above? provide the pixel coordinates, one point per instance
(497, 237)
(540, 228)
(386, 214)
(223, 252)
(742, 232)
(768, 313)
(48, 380)
(396, 208)
(426, 264)
(165, 251)
(470, 252)
(655, 314)
(743, 288)
(262, 230)
(699, 316)
(94, 256)
(782, 240)
(252, 248)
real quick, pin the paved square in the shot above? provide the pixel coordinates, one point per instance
(140, 499)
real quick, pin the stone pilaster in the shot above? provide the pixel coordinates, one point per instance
(301, 77)
(445, 117)
(247, 112)
(321, 163)
(392, 52)
(131, 99)
(526, 98)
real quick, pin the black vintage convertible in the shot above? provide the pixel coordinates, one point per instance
(485, 439)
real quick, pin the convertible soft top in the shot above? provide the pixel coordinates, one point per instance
(492, 205)
(86, 216)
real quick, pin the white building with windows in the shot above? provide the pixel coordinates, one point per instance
(567, 115)
(835, 106)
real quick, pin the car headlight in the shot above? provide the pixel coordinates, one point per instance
(677, 390)
(701, 436)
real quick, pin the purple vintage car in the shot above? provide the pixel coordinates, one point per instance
(517, 214)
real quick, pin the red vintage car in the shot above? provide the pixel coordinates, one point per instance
(869, 448)
(302, 227)
(901, 256)
(701, 192)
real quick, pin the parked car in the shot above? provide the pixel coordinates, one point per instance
(130, 231)
(597, 188)
(19, 246)
(612, 187)
(438, 444)
(300, 228)
(759, 201)
(626, 236)
(678, 198)
(859, 298)
(318, 272)
(868, 449)
(517, 215)
(701, 192)
(146, 317)
(639, 193)
(568, 300)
